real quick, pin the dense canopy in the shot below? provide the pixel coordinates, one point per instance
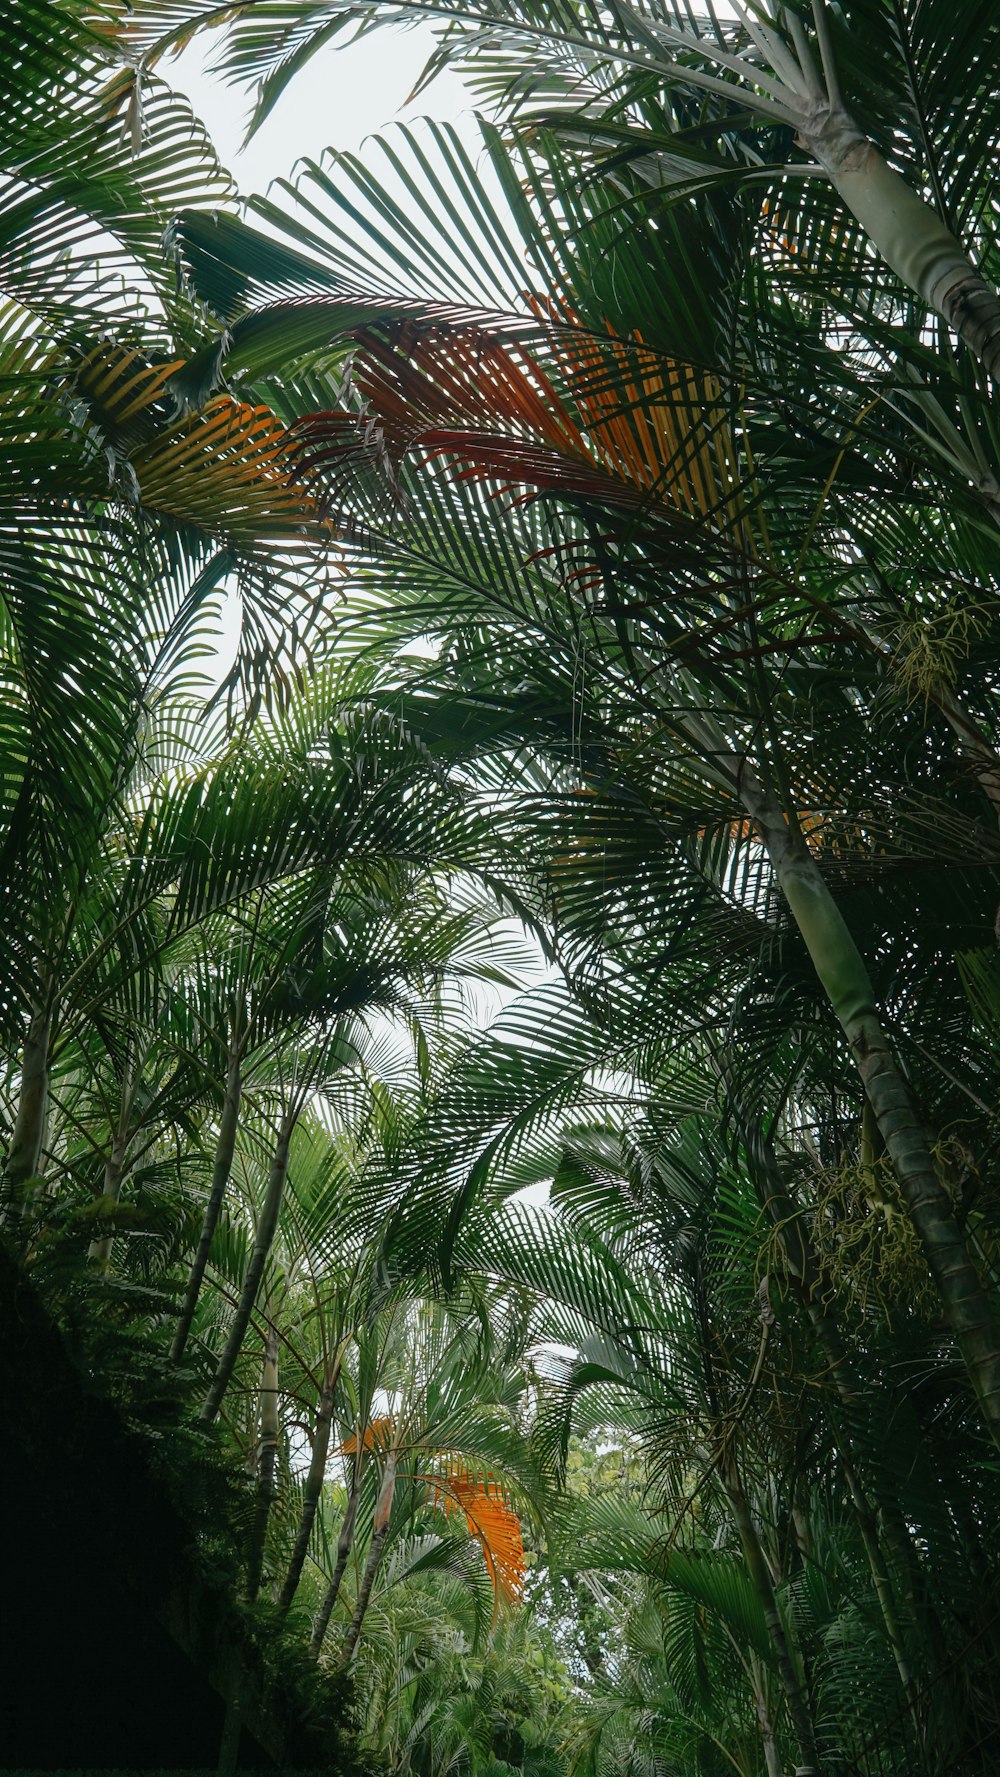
(499, 799)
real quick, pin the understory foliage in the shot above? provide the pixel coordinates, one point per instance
(499, 794)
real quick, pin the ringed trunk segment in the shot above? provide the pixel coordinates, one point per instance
(99, 1251)
(909, 234)
(266, 1228)
(919, 247)
(383, 1512)
(844, 977)
(222, 1167)
(371, 1568)
(267, 1457)
(772, 1757)
(984, 760)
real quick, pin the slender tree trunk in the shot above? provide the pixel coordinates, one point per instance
(223, 1165)
(772, 1757)
(803, 1266)
(311, 1495)
(909, 234)
(99, 1251)
(760, 1575)
(28, 1134)
(266, 1227)
(844, 977)
(267, 1455)
(383, 1510)
(345, 1543)
(590, 1647)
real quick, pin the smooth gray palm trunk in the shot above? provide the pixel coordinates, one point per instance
(909, 235)
(266, 1228)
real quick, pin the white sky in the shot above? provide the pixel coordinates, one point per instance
(343, 95)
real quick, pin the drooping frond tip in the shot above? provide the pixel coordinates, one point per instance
(492, 1521)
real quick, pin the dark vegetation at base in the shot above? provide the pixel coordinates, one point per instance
(120, 1632)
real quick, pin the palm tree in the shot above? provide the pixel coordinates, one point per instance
(683, 455)
(605, 445)
(686, 1352)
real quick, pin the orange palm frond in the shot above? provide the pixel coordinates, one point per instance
(492, 1521)
(624, 425)
(230, 468)
(657, 423)
(118, 382)
(378, 1435)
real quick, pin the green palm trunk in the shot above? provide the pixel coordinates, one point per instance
(760, 1575)
(845, 979)
(24, 1152)
(910, 236)
(345, 1543)
(311, 1494)
(811, 1285)
(222, 1167)
(267, 1454)
(115, 1167)
(266, 1228)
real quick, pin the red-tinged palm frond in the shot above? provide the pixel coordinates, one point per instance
(492, 1521)
(579, 414)
(654, 421)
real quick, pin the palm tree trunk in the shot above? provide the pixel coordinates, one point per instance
(28, 1134)
(311, 1495)
(266, 1228)
(802, 1264)
(982, 757)
(844, 977)
(224, 1149)
(910, 236)
(383, 1509)
(772, 1757)
(344, 1544)
(99, 1251)
(266, 1458)
(760, 1575)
